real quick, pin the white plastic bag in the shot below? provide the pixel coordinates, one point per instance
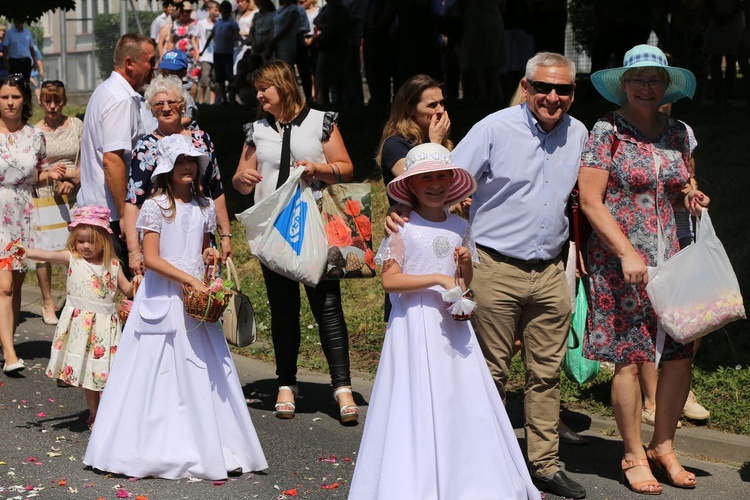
(696, 291)
(285, 231)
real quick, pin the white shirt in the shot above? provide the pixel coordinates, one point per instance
(312, 14)
(204, 29)
(112, 122)
(157, 24)
(306, 144)
(149, 121)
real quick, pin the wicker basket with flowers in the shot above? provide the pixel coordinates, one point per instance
(208, 306)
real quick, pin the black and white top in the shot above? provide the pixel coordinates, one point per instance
(310, 129)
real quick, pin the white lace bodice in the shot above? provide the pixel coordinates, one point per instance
(181, 239)
(424, 247)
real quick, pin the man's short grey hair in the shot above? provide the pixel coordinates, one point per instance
(549, 59)
(165, 84)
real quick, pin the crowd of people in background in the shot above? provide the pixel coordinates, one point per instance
(140, 159)
(477, 48)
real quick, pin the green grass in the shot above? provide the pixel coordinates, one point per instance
(722, 367)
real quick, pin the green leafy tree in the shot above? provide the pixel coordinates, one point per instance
(32, 10)
(37, 30)
(107, 32)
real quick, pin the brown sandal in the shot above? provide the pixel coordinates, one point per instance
(646, 487)
(676, 473)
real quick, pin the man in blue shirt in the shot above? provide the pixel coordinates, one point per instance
(525, 160)
(19, 49)
(225, 32)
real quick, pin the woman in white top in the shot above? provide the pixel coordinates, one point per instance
(313, 143)
(245, 15)
(63, 134)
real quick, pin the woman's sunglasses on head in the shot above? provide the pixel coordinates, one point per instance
(53, 83)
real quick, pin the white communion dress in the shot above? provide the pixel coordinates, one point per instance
(436, 427)
(173, 406)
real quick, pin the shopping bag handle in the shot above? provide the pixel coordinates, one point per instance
(573, 342)
(232, 273)
(703, 225)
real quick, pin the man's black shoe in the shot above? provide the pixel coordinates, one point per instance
(559, 484)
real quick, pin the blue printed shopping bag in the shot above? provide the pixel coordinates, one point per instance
(285, 231)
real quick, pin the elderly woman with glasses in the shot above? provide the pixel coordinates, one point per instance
(22, 166)
(63, 136)
(166, 97)
(634, 176)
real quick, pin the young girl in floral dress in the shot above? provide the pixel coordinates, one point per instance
(88, 330)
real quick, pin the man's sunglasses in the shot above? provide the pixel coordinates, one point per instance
(563, 89)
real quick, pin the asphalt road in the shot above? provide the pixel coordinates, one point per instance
(43, 438)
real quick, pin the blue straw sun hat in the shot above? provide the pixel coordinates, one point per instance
(607, 81)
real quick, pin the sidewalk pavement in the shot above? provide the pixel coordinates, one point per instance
(697, 441)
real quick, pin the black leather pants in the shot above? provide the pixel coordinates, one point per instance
(325, 303)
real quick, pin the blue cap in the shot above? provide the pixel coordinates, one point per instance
(174, 60)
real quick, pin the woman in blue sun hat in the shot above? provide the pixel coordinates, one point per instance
(633, 177)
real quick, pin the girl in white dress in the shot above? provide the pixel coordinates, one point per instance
(436, 427)
(88, 331)
(174, 407)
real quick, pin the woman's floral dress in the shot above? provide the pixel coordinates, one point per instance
(621, 322)
(144, 163)
(88, 332)
(183, 37)
(22, 157)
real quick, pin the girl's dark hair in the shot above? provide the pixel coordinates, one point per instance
(17, 80)
(162, 186)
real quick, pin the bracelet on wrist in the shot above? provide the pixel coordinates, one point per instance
(228, 235)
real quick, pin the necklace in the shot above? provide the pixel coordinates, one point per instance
(50, 127)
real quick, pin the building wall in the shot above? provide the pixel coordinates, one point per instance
(81, 73)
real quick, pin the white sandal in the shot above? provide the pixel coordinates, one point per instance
(349, 413)
(286, 413)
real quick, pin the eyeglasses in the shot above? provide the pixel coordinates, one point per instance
(160, 105)
(53, 83)
(563, 89)
(642, 84)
